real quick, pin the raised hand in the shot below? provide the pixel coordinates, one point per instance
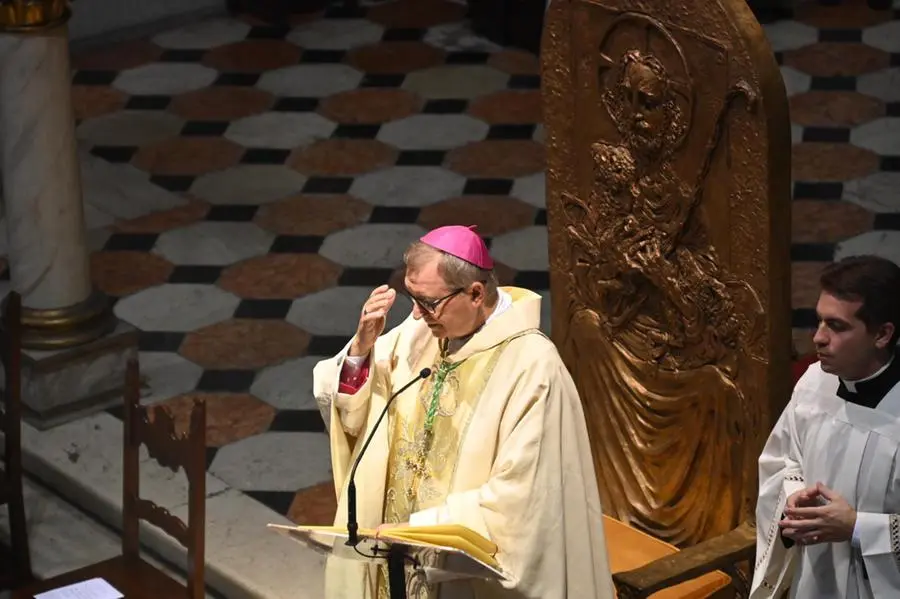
(372, 320)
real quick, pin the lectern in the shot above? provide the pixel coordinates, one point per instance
(436, 553)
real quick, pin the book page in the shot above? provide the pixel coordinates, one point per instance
(95, 588)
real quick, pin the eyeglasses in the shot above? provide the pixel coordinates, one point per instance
(431, 306)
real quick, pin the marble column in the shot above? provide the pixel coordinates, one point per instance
(42, 193)
(77, 349)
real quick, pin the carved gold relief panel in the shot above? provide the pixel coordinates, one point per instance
(668, 215)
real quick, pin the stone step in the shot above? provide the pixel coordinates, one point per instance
(82, 461)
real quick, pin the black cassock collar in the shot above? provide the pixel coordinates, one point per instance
(870, 393)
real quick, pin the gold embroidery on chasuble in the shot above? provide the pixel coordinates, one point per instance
(427, 432)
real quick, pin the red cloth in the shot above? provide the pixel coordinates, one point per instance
(800, 365)
(348, 384)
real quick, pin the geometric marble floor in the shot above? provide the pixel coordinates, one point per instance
(298, 162)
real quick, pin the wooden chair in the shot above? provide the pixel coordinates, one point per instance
(131, 575)
(18, 570)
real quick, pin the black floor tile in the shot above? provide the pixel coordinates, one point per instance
(135, 242)
(467, 57)
(90, 77)
(160, 341)
(234, 213)
(204, 128)
(356, 131)
(237, 79)
(376, 80)
(523, 131)
(826, 134)
(182, 55)
(812, 252)
(488, 187)
(394, 214)
(148, 102)
(173, 182)
(887, 222)
(403, 35)
(364, 277)
(296, 244)
(195, 275)
(447, 106)
(328, 185)
(296, 104)
(264, 309)
(265, 156)
(322, 56)
(536, 280)
(321, 345)
(298, 421)
(230, 381)
(277, 501)
(116, 154)
(421, 158)
(818, 190)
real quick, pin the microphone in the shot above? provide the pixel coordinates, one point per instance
(352, 525)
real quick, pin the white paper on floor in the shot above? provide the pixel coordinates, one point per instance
(95, 588)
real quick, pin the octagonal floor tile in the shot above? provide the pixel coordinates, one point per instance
(834, 109)
(342, 157)
(176, 307)
(244, 344)
(805, 286)
(795, 82)
(318, 215)
(456, 81)
(310, 80)
(230, 417)
(883, 84)
(515, 62)
(283, 130)
(214, 243)
(884, 36)
(814, 221)
(129, 128)
(881, 136)
(221, 103)
(458, 36)
(336, 34)
(370, 105)
(531, 189)
(203, 35)
(836, 59)
(509, 106)
(814, 161)
(314, 505)
(165, 220)
(123, 273)
(839, 15)
(91, 101)
(880, 243)
(416, 14)
(525, 249)
(498, 158)
(280, 276)
(187, 156)
(395, 57)
(165, 78)
(790, 35)
(407, 186)
(373, 246)
(289, 385)
(249, 184)
(336, 311)
(165, 375)
(494, 215)
(274, 461)
(432, 131)
(876, 193)
(117, 57)
(252, 56)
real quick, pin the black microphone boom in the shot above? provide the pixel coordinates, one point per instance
(352, 525)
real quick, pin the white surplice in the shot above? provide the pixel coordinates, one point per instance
(853, 450)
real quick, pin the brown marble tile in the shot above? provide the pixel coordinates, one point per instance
(253, 56)
(117, 57)
(395, 57)
(89, 101)
(188, 156)
(805, 283)
(230, 417)
(494, 215)
(280, 276)
(509, 107)
(515, 62)
(835, 59)
(123, 273)
(166, 220)
(244, 344)
(498, 158)
(848, 14)
(370, 105)
(221, 103)
(813, 161)
(342, 157)
(815, 221)
(834, 109)
(314, 506)
(416, 14)
(312, 214)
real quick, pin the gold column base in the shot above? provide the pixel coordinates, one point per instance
(30, 16)
(62, 328)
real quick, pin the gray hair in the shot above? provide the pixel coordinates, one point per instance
(457, 273)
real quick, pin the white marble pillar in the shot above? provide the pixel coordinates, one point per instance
(48, 257)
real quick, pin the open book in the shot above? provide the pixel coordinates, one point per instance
(465, 551)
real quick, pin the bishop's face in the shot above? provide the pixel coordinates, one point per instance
(450, 313)
(845, 346)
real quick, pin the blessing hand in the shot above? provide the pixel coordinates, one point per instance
(810, 525)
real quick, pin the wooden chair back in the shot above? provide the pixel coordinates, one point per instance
(155, 428)
(11, 484)
(668, 203)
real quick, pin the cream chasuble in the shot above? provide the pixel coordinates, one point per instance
(494, 440)
(852, 449)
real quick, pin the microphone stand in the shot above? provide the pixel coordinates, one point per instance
(352, 525)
